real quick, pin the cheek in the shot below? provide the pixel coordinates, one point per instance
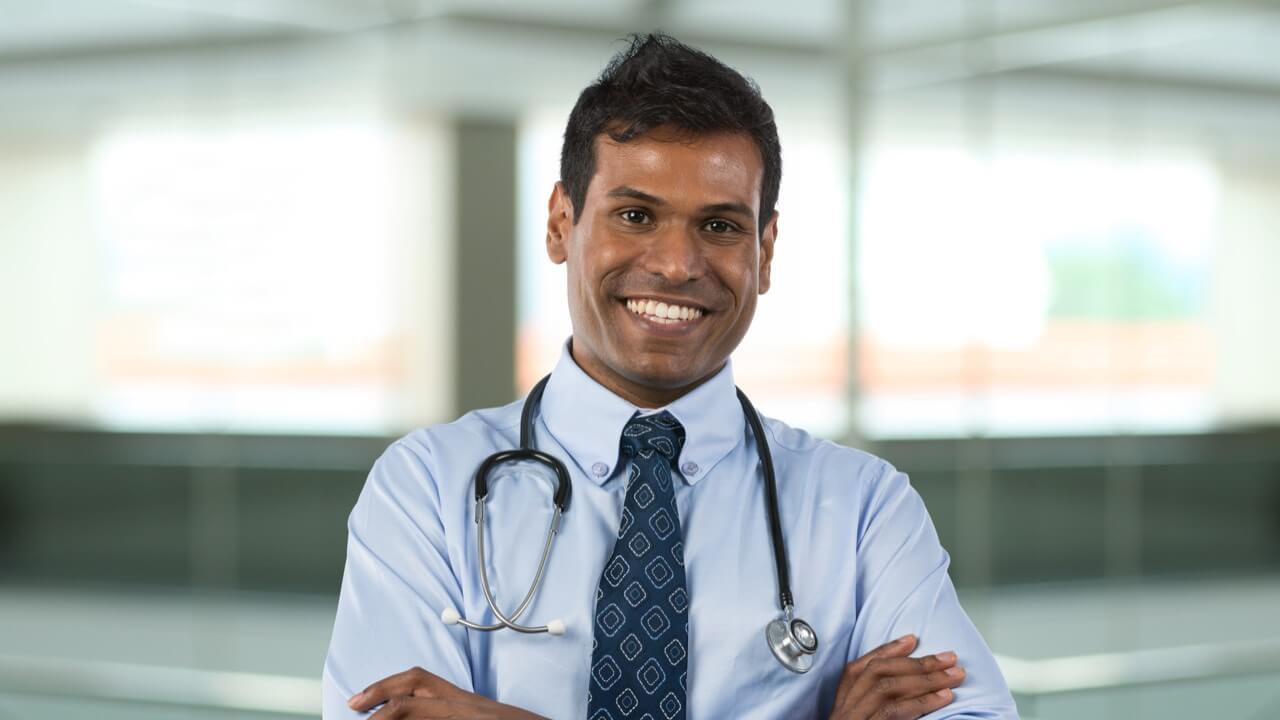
(585, 288)
(591, 268)
(742, 277)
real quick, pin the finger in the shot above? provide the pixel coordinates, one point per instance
(415, 708)
(394, 708)
(858, 668)
(894, 648)
(916, 707)
(892, 678)
(402, 683)
(896, 687)
(435, 687)
(883, 675)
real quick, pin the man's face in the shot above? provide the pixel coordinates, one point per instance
(666, 261)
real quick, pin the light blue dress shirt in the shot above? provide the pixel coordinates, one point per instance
(866, 565)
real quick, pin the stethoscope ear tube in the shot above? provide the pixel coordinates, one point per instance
(450, 616)
(526, 451)
(564, 487)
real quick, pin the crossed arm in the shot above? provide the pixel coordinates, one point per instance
(388, 546)
(884, 684)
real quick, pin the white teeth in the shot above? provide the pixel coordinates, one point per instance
(662, 312)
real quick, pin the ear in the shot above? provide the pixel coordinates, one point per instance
(767, 239)
(559, 223)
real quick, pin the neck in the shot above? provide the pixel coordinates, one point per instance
(647, 397)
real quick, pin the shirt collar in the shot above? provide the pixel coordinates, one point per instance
(587, 420)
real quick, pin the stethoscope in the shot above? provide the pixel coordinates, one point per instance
(792, 640)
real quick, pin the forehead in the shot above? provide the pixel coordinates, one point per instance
(667, 163)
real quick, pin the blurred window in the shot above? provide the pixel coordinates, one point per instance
(1034, 289)
(260, 273)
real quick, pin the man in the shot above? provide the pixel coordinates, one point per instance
(662, 571)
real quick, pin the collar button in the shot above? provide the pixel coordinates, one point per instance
(600, 469)
(689, 468)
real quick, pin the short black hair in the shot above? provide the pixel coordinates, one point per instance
(660, 81)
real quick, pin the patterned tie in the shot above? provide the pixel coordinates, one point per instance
(639, 657)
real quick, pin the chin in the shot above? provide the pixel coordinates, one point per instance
(663, 375)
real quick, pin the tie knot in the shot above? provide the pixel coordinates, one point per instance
(647, 434)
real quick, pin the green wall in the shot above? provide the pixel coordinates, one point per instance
(269, 513)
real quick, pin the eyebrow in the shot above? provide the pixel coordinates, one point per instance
(728, 207)
(623, 191)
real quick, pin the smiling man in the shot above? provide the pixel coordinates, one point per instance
(666, 258)
(663, 574)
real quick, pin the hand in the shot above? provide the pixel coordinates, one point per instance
(885, 684)
(417, 694)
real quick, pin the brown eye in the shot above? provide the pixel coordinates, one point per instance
(719, 226)
(639, 217)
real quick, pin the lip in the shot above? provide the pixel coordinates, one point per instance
(678, 329)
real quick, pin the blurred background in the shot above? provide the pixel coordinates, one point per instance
(1027, 252)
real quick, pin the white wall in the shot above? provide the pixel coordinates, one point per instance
(48, 278)
(1246, 294)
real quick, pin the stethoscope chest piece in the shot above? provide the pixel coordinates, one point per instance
(793, 641)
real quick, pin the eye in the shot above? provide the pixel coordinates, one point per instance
(720, 227)
(635, 216)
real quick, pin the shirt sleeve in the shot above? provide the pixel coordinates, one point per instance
(397, 579)
(903, 588)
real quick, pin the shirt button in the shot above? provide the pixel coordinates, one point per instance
(600, 469)
(689, 468)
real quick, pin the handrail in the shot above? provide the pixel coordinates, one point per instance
(1049, 676)
(189, 687)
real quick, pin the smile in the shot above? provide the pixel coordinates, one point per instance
(663, 313)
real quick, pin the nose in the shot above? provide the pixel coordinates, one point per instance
(676, 254)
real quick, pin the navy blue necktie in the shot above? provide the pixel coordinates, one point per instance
(640, 654)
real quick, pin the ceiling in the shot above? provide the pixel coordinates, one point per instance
(902, 43)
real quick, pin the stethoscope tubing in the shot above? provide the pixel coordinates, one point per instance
(792, 651)
(771, 504)
(503, 620)
(563, 492)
